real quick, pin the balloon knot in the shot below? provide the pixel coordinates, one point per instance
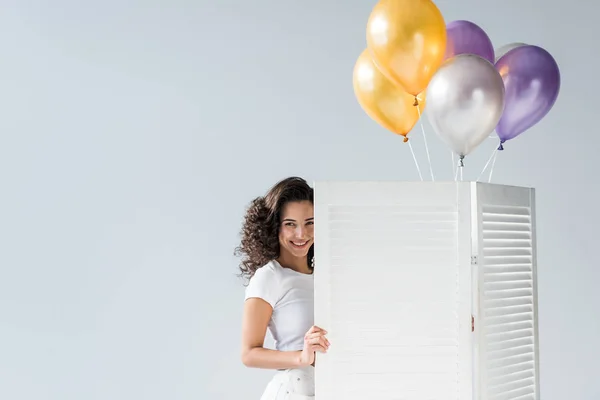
(462, 164)
(416, 103)
(405, 139)
(501, 147)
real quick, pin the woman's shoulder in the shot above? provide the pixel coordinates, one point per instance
(265, 284)
(269, 271)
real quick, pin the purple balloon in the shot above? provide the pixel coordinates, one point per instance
(465, 37)
(532, 82)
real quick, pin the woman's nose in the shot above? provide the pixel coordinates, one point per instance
(300, 230)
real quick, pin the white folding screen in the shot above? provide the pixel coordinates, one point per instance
(400, 285)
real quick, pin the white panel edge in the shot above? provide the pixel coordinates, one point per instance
(321, 278)
(535, 292)
(465, 285)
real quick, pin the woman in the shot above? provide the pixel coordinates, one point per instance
(277, 250)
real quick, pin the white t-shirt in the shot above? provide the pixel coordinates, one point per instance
(291, 294)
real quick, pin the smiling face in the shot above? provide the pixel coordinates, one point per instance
(296, 232)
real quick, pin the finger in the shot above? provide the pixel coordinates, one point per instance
(318, 348)
(315, 328)
(311, 341)
(314, 340)
(318, 341)
(320, 336)
(311, 335)
(314, 335)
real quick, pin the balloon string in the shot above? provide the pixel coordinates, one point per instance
(415, 158)
(488, 162)
(460, 167)
(455, 170)
(425, 140)
(492, 168)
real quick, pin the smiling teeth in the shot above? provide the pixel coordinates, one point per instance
(300, 244)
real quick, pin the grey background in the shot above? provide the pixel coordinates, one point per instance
(134, 133)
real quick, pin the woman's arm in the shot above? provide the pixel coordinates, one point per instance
(257, 314)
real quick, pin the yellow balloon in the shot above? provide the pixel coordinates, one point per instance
(385, 102)
(407, 39)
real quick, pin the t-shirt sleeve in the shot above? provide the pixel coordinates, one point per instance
(263, 285)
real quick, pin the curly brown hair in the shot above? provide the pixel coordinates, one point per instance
(260, 229)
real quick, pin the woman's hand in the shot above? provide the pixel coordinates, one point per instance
(314, 341)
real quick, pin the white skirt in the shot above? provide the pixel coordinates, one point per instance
(291, 384)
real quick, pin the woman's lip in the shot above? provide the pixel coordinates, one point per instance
(299, 245)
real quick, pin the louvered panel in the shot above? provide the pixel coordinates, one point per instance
(508, 348)
(392, 288)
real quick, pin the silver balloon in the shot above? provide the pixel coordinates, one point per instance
(465, 101)
(502, 50)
